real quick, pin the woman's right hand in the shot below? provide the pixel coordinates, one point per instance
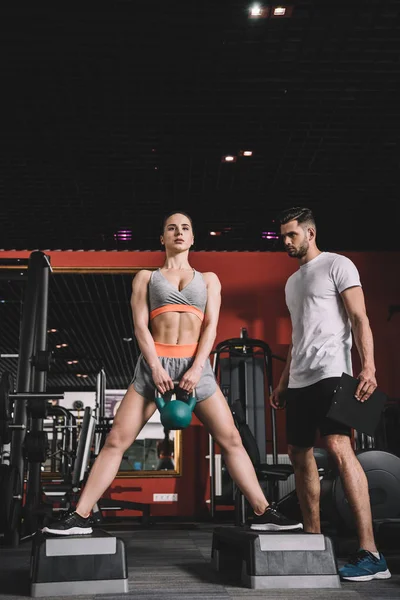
(162, 380)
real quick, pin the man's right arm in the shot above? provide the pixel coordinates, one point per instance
(276, 399)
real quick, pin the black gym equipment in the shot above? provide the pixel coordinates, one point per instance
(62, 452)
(382, 470)
(243, 367)
(36, 406)
(34, 360)
(387, 435)
(65, 492)
(275, 560)
(266, 473)
(11, 488)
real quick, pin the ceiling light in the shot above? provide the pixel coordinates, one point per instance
(72, 362)
(58, 346)
(246, 153)
(282, 11)
(269, 235)
(79, 375)
(123, 235)
(64, 345)
(127, 339)
(229, 158)
(257, 11)
(52, 331)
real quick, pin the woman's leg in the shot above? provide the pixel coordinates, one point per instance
(132, 414)
(214, 413)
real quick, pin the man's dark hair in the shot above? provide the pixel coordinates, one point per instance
(176, 212)
(301, 214)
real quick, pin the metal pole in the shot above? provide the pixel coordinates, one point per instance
(33, 486)
(26, 346)
(268, 367)
(103, 393)
(211, 453)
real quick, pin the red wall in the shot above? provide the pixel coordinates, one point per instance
(253, 297)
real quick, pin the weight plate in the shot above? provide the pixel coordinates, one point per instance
(6, 388)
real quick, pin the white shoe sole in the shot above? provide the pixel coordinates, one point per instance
(72, 531)
(382, 575)
(272, 527)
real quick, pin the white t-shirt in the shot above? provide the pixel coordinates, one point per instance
(321, 329)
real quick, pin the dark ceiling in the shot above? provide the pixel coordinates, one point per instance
(118, 112)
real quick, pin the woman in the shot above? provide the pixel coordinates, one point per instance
(175, 313)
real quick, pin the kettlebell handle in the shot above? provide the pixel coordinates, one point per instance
(176, 384)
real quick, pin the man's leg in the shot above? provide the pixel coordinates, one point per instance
(307, 486)
(355, 487)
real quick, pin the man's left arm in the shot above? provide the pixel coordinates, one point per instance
(353, 299)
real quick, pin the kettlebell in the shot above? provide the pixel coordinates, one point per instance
(175, 414)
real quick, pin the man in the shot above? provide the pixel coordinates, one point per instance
(326, 305)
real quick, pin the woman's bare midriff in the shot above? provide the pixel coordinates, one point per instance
(176, 328)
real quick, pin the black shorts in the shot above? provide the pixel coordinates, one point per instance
(306, 410)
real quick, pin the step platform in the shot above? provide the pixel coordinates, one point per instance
(78, 565)
(275, 560)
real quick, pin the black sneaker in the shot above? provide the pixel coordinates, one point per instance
(69, 524)
(273, 520)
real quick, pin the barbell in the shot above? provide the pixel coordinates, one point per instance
(37, 405)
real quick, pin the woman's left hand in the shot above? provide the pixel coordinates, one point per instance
(190, 379)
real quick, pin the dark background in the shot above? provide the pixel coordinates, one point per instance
(115, 113)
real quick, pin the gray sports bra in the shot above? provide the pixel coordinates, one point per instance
(165, 297)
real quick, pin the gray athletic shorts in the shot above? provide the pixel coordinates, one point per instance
(144, 385)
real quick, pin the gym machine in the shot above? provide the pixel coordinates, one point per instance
(22, 411)
(243, 367)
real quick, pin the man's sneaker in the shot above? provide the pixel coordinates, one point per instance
(69, 524)
(364, 566)
(273, 520)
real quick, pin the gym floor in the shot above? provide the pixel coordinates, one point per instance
(172, 561)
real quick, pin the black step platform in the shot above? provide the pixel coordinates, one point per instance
(276, 560)
(78, 564)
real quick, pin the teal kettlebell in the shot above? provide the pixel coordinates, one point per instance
(175, 414)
